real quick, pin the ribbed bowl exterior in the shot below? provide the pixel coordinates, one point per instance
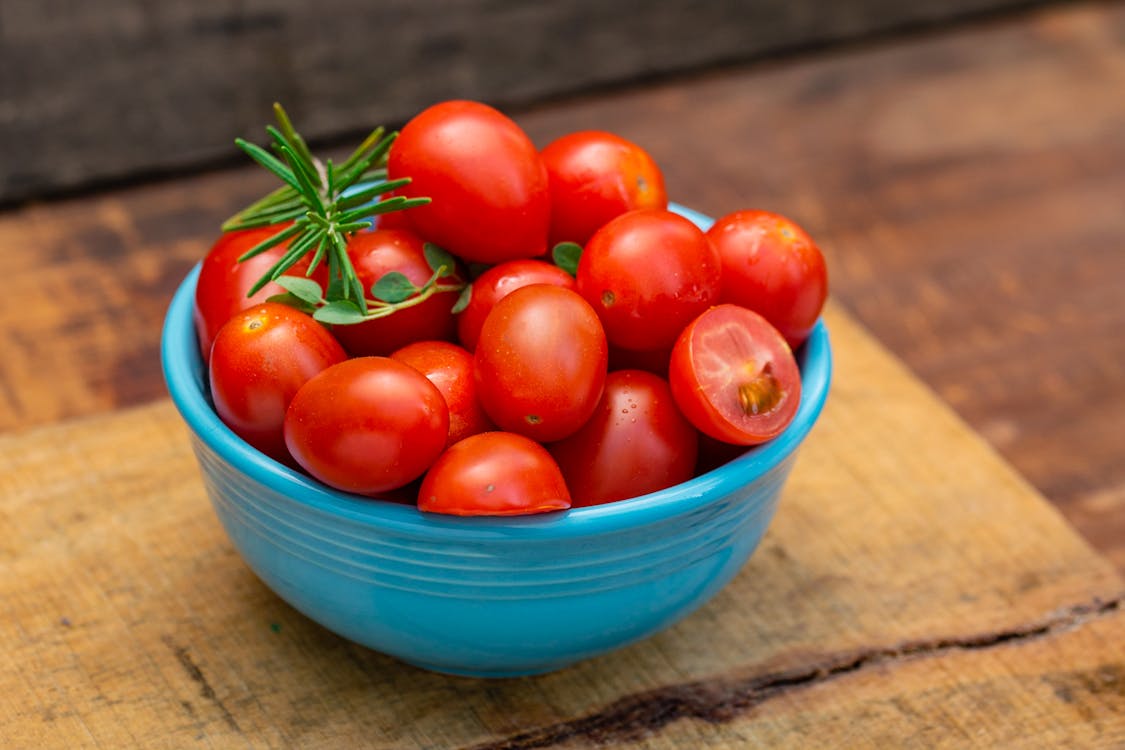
(485, 596)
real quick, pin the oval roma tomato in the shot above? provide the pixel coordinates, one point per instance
(596, 176)
(498, 282)
(367, 425)
(636, 442)
(375, 254)
(771, 266)
(494, 474)
(647, 273)
(450, 368)
(224, 282)
(486, 180)
(259, 360)
(540, 364)
(734, 377)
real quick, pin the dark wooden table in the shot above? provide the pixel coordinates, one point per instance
(966, 185)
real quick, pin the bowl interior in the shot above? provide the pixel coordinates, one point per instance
(185, 378)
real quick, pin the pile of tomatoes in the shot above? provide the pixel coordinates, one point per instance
(641, 352)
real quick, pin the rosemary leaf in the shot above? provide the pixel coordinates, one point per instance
(269, 161)
(269, 242)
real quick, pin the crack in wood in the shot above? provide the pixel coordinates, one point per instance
(196, 674)
(721, 700)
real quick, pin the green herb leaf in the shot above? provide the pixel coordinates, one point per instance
(439, 260)
(393, 287)
(269, 161)
(292, 301)
(302, 288)
(340, 312)
(566, 256)
(463, 299)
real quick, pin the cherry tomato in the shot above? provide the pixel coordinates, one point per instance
(375, 254)
(260, 358)
(596, 176)
(647, 273)
(497, 283)
(771, 266)
(367, 425)
(540, 364)
(450, 368)
(636, 442)
(488, 185)
(494, 474)
(734, 377)
(224, 282)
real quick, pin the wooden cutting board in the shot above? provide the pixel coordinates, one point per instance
(912, 591)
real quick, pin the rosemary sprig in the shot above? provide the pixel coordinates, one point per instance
(323, 217)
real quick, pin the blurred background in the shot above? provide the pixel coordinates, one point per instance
(960, 162)
(98, 92)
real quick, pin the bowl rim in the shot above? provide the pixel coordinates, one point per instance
(183, 374)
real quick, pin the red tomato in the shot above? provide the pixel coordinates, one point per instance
(224, 282)
(450, 368)
(648, 273)
(494, 474)
(541, 362)
(377, 253)
(367, 425)
(497, 283)
(636, 442)
(259, 360)
(734, 377)
(771, 266)
(488, 185)
(596, 176)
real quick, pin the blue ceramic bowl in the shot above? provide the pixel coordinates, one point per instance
(485, 596)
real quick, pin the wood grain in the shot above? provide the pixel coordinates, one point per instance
(95, 91)
(130, 621)
(967, 188)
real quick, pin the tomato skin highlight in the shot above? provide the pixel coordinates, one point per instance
(259, 360)
(450, 368)
(734, 377)
(596, 176)
(487, 182)
(367, 425)
(648, 273)
(494, 474)
(541, 362)
(636, 442)
(498, 282)
(773, 267)
(223, 282)
(375, 254)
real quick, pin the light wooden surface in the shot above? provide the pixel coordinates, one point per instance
(912, 591)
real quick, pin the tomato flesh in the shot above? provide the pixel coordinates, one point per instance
(734, 376)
